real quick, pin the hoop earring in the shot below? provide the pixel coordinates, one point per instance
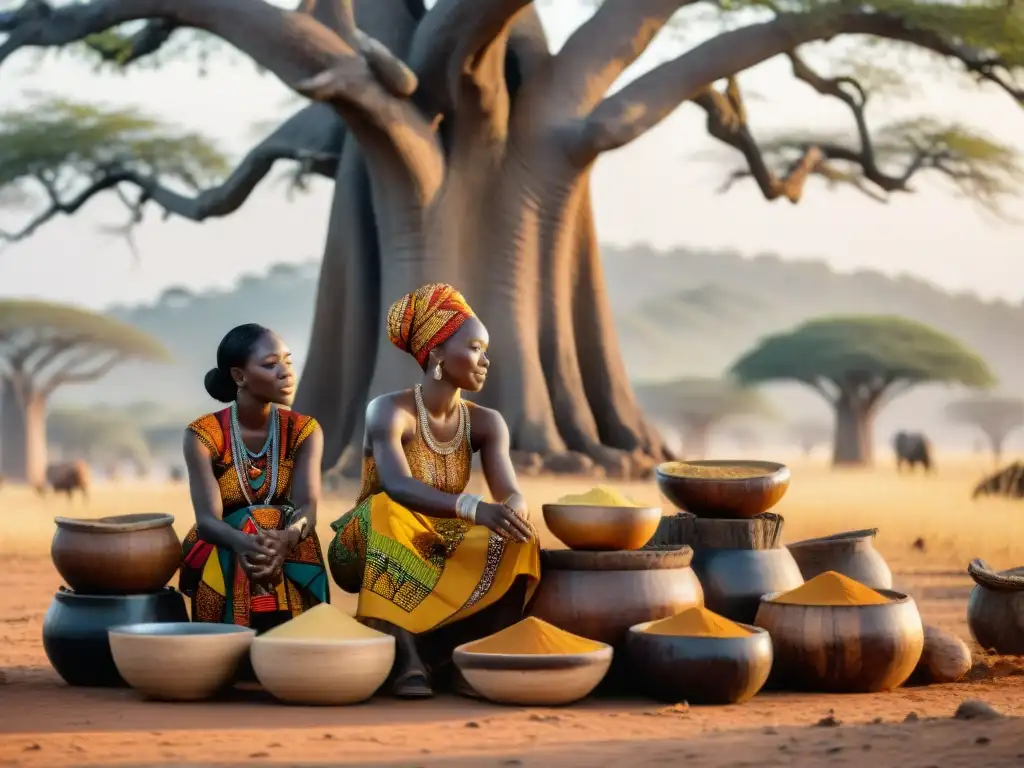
(437, 372)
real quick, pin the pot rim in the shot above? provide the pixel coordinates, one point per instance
(845, 537)
(208, 630)
(70, 593)
(673, 557)
(755, 631)
(895, 598)
(324, 643)
(777, 471)
(131, 523)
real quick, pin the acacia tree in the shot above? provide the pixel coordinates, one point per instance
(44, 347)
(421, 115)
(858, 364)
(99, 435)
(996, 417)
(696, 406)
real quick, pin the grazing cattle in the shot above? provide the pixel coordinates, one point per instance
(912, 448)
(1008, 482)
(67, 478)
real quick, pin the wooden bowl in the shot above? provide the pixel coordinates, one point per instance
(840, 648)
(995, 611)
(587, 527)
(726, 497)
(119, 555)
(699, 670)
(185, 661)
(533, 680)
(323, 672)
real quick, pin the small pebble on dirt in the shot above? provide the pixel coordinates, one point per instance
(472, 724)
(974, 709)
(259, 754)
(982, 740)
(33, 748)
(829, 721)
(911, 717)
(833, 750)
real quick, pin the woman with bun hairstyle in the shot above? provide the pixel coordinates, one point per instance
(253, 557)
(432, 564)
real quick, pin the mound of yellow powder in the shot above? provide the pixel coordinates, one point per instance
(533, 636)
(714, 472)
(322, 622)
(831, 588)
(598, 496)
(697, 622)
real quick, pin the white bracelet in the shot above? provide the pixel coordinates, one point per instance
(465, 507)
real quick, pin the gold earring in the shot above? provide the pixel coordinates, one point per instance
(437, 372)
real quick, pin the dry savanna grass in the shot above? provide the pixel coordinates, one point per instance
(937, 509)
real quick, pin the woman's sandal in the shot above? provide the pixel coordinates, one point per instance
(414, 684)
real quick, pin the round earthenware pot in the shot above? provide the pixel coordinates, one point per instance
(699, 670)
(533, 680)
(843, 648)
(600, 595)
(995, 609)
(120, 555)
(180, 661)
(75, 630)
(597, 528)
(851, 553)
(717, 497)
(734, 579)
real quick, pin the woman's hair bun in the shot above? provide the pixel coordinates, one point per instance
(220, 386)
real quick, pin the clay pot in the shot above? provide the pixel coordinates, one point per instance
(75, 630)
(852, 554)
(600, 595)
(180, 661)
(995, 609)
(589, 527)
(843, 648)
(735, 579)
(727, 498)
(120, 555)
(533, 680)
(699, 670)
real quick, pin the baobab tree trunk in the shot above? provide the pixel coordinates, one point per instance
(853, 443)
(12, 433)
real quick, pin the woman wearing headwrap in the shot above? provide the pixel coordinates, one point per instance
(423, 554)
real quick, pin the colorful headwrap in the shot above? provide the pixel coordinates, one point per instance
(428, 316)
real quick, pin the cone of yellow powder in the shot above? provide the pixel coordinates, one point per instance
(533, 663)
(322, 656)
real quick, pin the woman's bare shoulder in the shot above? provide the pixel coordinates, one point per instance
(389, 411)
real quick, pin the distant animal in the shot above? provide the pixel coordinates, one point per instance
(912, 448)
(67, 478)
(177, 474)
(1008, 482)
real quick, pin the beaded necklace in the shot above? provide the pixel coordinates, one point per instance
(442, 449)
(253, 475)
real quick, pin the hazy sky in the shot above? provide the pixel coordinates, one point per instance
(655, 190)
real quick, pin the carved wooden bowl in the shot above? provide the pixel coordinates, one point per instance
(533, 680)
(843, 649)
(185, 661)
(586, 527)
(323, 672)
(119, 555)
(699, 670)
(744, 497)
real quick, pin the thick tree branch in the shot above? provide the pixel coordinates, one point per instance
(312, 137)
(460, 42)
(601, 49)
(293, 45)
(643, 103)
(72, 371)
(727, 122)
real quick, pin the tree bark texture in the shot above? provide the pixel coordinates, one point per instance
(853, 442)
(12, 433)
(461, 152)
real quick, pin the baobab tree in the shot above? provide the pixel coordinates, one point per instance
(697, 406)
(44, 347)
(995, 417)
(859, 364)
(420, 115)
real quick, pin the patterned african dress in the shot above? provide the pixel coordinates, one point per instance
(420, 572)
(217, 584)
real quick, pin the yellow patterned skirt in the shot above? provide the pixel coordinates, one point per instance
(420, 573)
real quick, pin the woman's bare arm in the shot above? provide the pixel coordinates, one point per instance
(206, 501)
(496, 459)
(306, 479)
(385, 425)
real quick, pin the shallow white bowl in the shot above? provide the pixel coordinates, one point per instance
(179, 661)
(533, 679)
(325, 672)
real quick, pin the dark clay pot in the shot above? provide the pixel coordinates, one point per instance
(120, 555)
(75, 630)
(734, 579)
(995, 610)
(852, 554)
